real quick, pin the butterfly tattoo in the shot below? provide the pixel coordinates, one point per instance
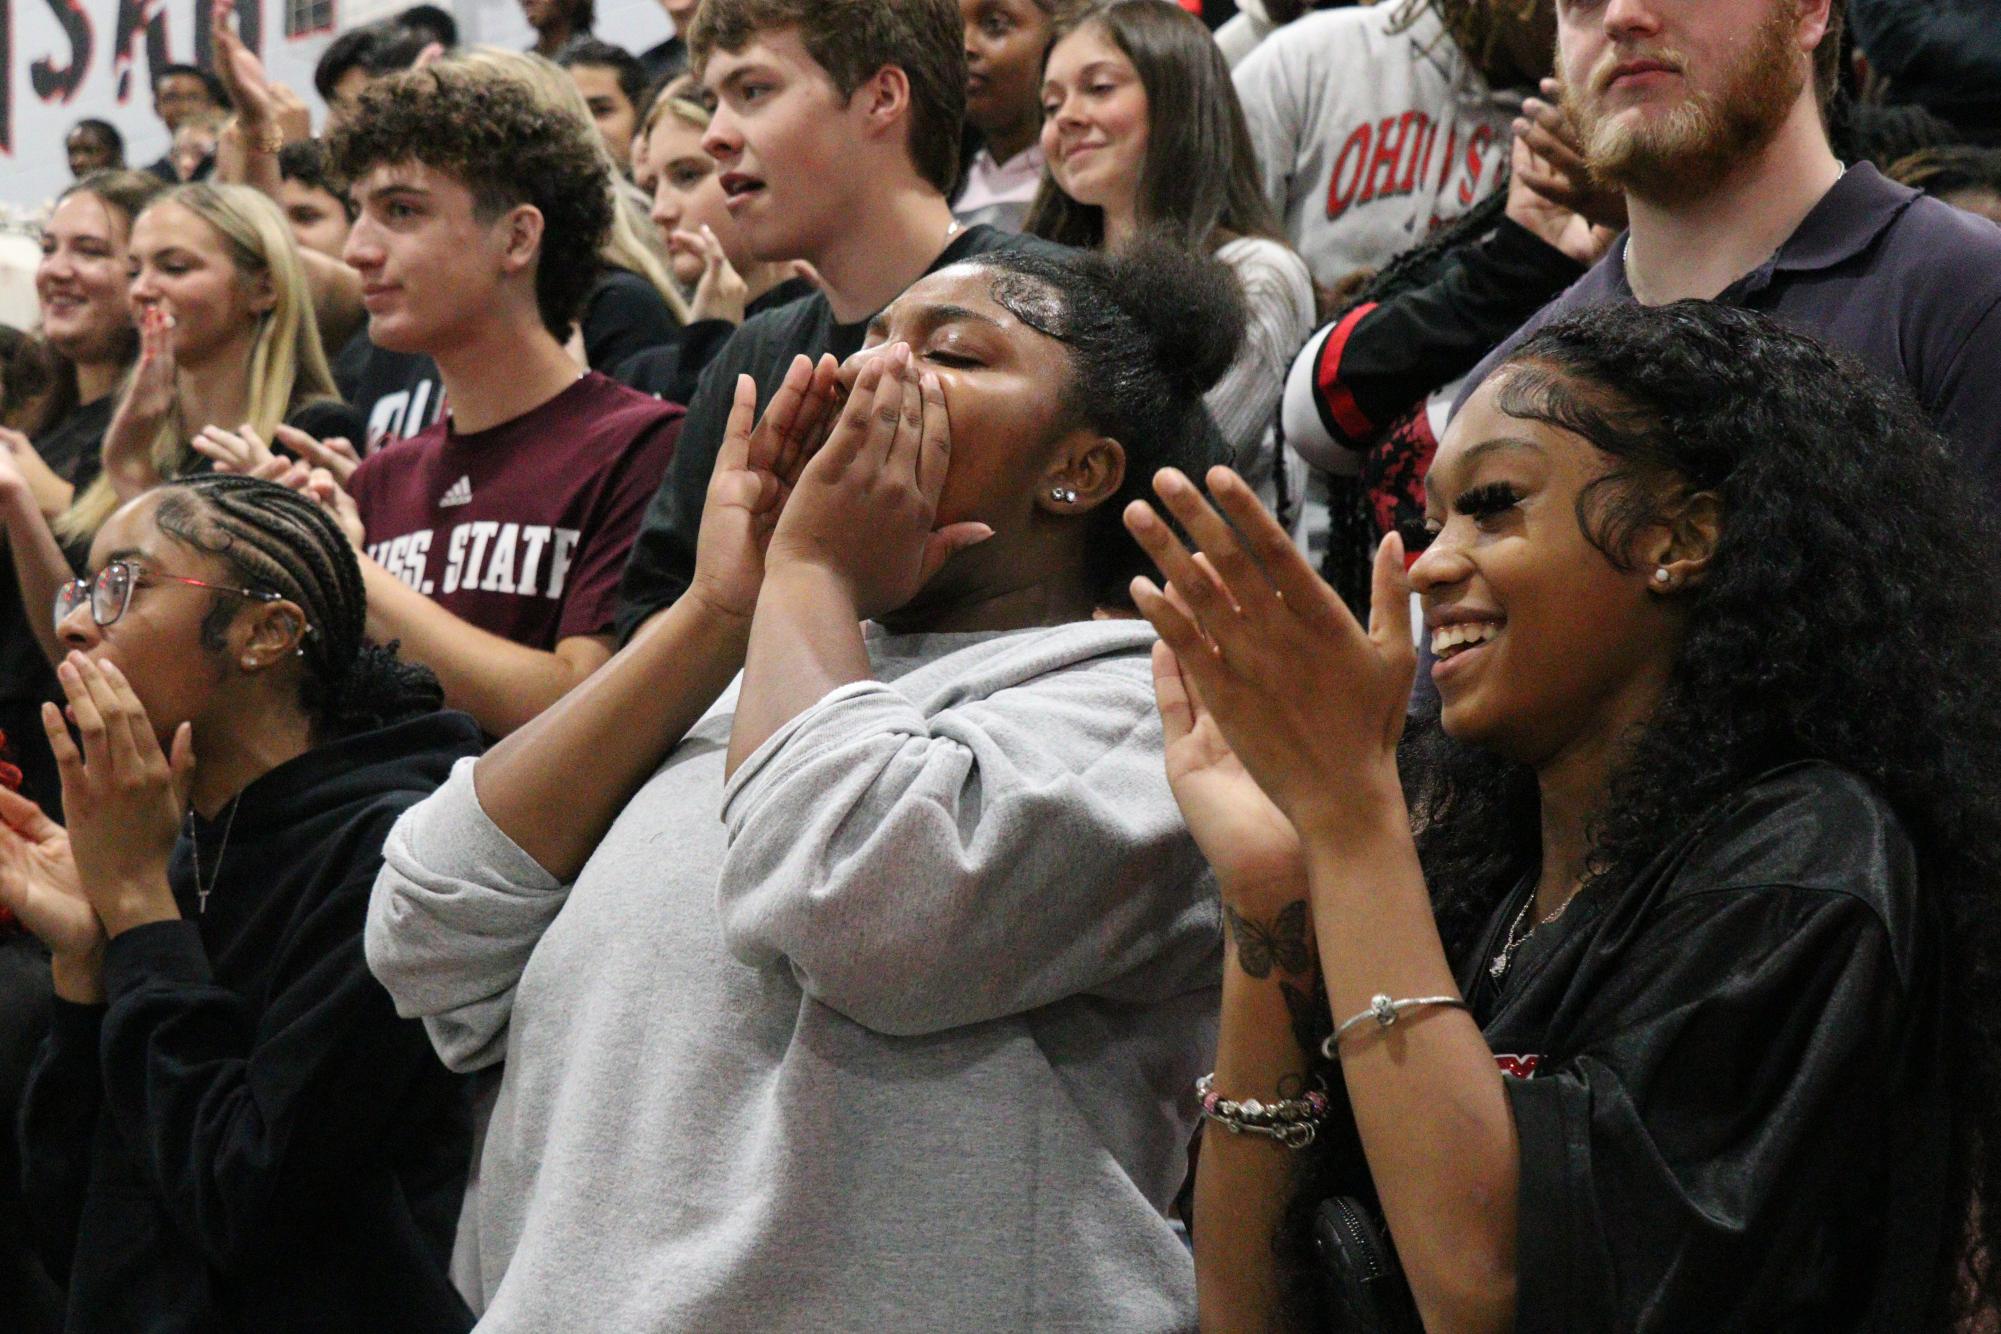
(1286, 942)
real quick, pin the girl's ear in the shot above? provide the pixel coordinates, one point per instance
(1687, 543)
(1087, 471)
(263, 294)
(275, 631)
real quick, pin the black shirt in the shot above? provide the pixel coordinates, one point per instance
(396, 394)
(673, 371)
(247, 1137)
(1727, 1078)
(663, 555)
(623, 316)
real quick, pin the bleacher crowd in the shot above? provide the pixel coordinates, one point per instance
(1016, 664)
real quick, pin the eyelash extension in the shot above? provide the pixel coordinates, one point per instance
(1483, 502)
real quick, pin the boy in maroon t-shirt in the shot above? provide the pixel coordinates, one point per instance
(492, 540)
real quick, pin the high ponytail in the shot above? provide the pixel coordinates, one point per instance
(1149, 331)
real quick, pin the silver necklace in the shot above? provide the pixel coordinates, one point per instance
(1517, 938)
(194, 845)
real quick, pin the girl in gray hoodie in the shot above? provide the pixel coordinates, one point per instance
(865, 989)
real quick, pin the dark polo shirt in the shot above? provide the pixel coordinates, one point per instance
(1910, 286)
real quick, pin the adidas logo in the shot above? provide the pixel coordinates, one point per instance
(459, 493)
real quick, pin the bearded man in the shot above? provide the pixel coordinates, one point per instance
(1711, 119)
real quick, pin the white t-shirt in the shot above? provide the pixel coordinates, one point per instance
(1369, 137)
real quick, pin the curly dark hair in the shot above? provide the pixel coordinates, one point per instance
(275, 540)
(1846, 617)
(1149, 331)
(490, 133)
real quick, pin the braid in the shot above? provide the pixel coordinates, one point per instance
(279, 541)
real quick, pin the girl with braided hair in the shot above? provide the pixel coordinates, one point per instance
(228, 1127)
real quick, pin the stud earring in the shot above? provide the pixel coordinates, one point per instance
(1062, 495)
(1662, 577)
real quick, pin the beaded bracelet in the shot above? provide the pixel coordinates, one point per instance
(1293, 1122)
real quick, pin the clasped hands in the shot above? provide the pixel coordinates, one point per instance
(124, 799)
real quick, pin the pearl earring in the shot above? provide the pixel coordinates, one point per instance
(1662, 577)
(1063, 495)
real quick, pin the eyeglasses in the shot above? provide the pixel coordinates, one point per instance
(109, 592)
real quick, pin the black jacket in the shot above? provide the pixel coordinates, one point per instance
(1727, 1078)
(247, 1137)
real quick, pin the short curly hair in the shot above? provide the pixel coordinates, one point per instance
(489, 132)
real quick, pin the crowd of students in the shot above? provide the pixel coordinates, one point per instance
(1009, 664)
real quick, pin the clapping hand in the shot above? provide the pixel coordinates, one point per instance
(149, 397)
(1247, 841)
(1554, 166)
(755, 472)
(1310, 702)
(38, 880)
(241, 450)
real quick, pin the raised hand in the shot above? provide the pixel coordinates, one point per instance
(242, 74)
(864, 507)
(754, 474)
(38, 881)
(1311, 703)
(149, 397)
(124, 797)
(241, 450)
(1557, 224)
(1248, 842)
(336, 453)
(722, 293)
(1555, 167)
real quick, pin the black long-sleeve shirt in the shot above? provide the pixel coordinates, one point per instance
(246, 1136)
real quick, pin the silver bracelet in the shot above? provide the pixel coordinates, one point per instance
(1384, 1011)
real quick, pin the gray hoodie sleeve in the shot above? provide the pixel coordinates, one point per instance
(920, 873)
(456, 911)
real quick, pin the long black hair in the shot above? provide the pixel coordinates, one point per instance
(1847, 616)
(277, 541)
